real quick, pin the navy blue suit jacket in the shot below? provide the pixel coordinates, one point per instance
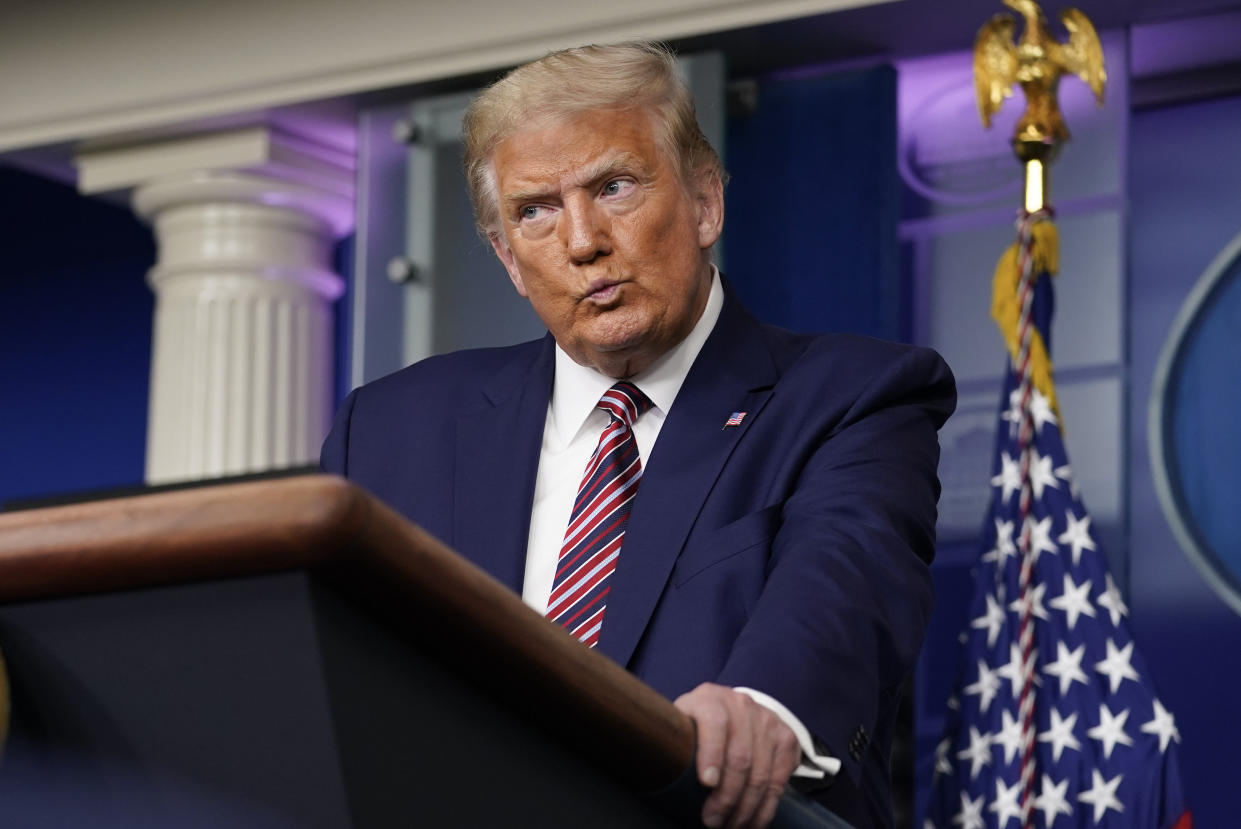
(788, 554)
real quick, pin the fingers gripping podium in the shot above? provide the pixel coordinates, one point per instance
(295, 647)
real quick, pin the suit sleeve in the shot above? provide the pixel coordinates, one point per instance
(841, 618)
(334, 456)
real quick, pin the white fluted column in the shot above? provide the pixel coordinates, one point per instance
(243, 358)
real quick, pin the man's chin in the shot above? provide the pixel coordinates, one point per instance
(615, 331)
(617, 357)
(620, 345)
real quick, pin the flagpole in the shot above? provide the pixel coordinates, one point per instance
(1025, 625)
(1036, 63)
(1036, 152)
(1038, 167)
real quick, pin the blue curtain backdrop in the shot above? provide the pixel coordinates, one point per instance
(810, 233)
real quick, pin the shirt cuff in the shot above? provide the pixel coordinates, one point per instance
(813, 765)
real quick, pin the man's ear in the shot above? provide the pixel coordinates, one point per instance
(709, 202)
(505, 255)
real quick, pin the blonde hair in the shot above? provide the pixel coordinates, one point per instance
(571, 81)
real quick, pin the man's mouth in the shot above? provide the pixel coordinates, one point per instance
(603, 291)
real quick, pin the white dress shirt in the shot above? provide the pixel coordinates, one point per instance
(570, 433)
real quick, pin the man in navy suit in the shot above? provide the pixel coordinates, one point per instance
(773, 576)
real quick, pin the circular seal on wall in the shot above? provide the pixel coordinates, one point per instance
(1195, 445)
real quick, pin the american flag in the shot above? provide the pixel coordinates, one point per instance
(1093, 746)
(735, 419)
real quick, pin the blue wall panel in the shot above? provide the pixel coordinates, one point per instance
(75, 340)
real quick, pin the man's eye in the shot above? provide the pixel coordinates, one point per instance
(616, 187)
(530, 212)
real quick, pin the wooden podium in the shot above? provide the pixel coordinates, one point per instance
(296, 649)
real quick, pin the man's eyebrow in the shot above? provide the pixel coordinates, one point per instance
(534, 194)
(610, 167)
(588, 176)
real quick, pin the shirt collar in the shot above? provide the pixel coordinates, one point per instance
(577, 388)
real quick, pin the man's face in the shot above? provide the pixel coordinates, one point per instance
(604, 238)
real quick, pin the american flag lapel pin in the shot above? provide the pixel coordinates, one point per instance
(734, 419)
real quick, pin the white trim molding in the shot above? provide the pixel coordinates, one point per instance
(83, 70)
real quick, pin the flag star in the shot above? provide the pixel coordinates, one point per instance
(1035, 602)
(1004, 546)
(1013, 669)
(1110, 730)
(1009, 478)
(1040, 537)
(1040, 473)
(986, 687)
(1102, 794)
(992, 619)
(1075, 600)
(1040, 410)
(1060, 735)
(1051, 800)
(1068, 667)
(1111, 599)
(1013, 413)
(1065, 473)
(970, 816)
(1077, 535)
(979, 752)
(1005, 804)
(1163, 725)
(942, 764)
(1116, 666)
(1009, 737)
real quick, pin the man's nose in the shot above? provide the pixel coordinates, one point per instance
(584, 229)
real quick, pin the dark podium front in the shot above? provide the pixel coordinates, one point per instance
(296, 653)
(293, 653)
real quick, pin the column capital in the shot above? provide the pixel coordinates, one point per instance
(257, 164)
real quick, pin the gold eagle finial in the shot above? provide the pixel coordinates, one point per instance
(1036, 61)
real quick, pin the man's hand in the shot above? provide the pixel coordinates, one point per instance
(745, 753)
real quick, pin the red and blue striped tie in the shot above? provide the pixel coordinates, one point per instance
(596, 528)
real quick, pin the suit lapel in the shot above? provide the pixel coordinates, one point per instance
(497, 460)
(734, 372)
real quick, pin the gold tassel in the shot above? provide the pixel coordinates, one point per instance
(1006, 305)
